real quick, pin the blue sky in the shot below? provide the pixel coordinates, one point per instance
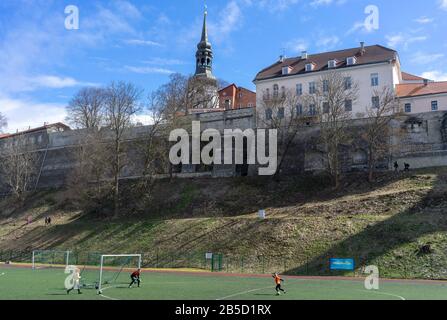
(143, 41)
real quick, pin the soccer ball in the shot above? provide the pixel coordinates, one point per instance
(100, 292)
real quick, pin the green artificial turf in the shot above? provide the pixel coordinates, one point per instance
(48, 284)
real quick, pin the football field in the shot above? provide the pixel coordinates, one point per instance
(23, 283)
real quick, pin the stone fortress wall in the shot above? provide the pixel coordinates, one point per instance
(421, 142)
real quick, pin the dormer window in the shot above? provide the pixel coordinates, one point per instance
(286, 70)
(310, 67)
(351, 61)
(332, 64)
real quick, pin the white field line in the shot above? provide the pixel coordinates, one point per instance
(104, 296)
(244, 292)
(384, 293)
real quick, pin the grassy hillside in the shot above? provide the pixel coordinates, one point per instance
(387, 223)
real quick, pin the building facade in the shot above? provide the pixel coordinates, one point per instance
(372, 68)
(233, 97)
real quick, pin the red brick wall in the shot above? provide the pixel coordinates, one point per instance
(239, 98)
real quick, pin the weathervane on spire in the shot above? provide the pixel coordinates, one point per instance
(206, 7)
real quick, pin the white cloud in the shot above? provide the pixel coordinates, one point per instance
(360, 26)
(147, 70)
(297, 45)
(403, 40)
(443, 4)
(164, 62)
(424, 20)
(139, 42)
(272, 5)
(328, 42)
(229, 20)
(435, 75)
(426, 58)
(24, 113)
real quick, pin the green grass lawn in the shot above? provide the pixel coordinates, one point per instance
(48, 284)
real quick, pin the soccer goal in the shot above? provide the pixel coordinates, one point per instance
(115, 269)
(50, 258)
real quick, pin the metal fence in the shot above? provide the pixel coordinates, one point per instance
(407, 267)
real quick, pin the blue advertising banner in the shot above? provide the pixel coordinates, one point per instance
(342, 264)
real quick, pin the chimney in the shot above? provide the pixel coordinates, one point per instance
(304, 55)
(362, 48)
(281, 58)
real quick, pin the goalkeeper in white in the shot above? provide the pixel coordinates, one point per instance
(76, 281)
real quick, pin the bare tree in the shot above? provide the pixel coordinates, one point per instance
(202, 93)
(335, 94)
(3, 122)
(284, 111)
(19, 166)
(121, 104)
(86, 109)
(377, 130)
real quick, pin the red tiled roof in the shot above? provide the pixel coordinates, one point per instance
(410, 77)
(45, 127)
(372, 54)
(417, 89)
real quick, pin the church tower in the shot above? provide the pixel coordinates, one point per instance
(205, 96)
(204, 54)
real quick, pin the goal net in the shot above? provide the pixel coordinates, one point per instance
(50, 258)
(114, 271)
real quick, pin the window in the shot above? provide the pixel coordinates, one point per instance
(312, 110)
(280, 113)
(312, 88)
(275, 91)
(285, 70)
(283, 92)
(408, 107)
(434, 106)
(227, 104)
(375, 102)
(351, 61)
(299, 109)
(332, 64)
(348, 83)
(267, 94)
(325, 107)
(374, 80)
(325, 86)
(250, 105)
(268, 114)
(348, 105)
(309, 67)
(299, 89)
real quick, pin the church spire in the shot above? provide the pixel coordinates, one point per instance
(205, 28)
(204, 54)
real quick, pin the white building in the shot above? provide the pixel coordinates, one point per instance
(371, 67)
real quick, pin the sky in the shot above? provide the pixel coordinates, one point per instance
(43, 63)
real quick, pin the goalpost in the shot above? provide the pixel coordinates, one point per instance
(48, 258)
(116, 271)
